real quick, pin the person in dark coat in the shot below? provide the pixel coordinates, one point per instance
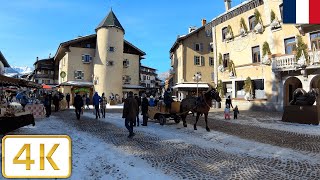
(47, 104)
(78, 103)
(130, 110)
(167, 99)
(88, 102)
(139, 104)
(235, 112)
(56, 102)
(229, 102)
(68, 100)
(96, 101)
(144, 110)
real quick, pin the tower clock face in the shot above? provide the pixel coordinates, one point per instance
(63, 74)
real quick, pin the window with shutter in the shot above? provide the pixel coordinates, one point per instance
(225, 60)
(197, 47)
(211, 62)
(256, 54)
(86, 58)
(197, 60)
(202, 61)
(201, 47)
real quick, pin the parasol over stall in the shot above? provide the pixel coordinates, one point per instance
(44, 86)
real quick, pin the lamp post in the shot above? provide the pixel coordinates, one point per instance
(197, 78)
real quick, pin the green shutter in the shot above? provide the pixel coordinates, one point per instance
(202, 61)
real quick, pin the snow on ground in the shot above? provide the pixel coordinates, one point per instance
(89, 153)
(272, 122)
(216, 140)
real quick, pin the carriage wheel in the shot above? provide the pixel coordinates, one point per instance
(162, 119)
(177, 119)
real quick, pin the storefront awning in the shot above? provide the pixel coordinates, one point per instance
(131, 86)
(190, 86)
(77, 83)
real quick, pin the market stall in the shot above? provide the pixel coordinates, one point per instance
(38, 110)
(12, 114)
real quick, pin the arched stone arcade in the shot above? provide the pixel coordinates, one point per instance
(290, 85)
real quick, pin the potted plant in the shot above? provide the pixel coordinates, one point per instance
(248, 88)
(243, 27)
(274, 21)
(220, 67)
(302, 50)
(266, 53)
(229, 35)
(231, 68)
(220, 91)
(259, 25)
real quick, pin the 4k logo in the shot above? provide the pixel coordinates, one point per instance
(36, 156)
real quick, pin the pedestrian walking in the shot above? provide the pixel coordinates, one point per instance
(56, 102)
(96, 100)
(227, 113)
(103, 105)
(130, 110)
(144, 110)
(47, 104)
(229, 102)
(137, 98)
(68, 100)
(78, 104)
(235, 112)
(88, 102)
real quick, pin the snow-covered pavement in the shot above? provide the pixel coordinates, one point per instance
(101, 150)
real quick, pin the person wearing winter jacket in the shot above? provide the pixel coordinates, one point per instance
(78, 103)
(130, 110)
(96, 101)
(144, 110)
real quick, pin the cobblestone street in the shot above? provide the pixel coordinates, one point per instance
(183, 160)
(293, 140)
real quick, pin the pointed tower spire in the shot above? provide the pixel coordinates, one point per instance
(110, 21)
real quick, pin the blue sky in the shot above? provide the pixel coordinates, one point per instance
(31, 28)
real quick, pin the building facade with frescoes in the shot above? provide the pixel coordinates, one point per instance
(259, 61)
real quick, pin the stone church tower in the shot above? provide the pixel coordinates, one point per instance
(108, 61)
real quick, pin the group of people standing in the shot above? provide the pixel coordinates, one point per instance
(99, 103)
(228, 109)
(131, 110)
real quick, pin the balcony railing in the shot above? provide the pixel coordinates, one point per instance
(49, 76)
(289, 62)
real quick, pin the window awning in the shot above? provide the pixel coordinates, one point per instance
(131, 86)
(77, 83)
(190, 86)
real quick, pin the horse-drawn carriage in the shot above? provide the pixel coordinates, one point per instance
(162, 113)
(180, 110)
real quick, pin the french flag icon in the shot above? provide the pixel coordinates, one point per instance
(301, 11)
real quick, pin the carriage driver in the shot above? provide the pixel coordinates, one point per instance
(167, 99)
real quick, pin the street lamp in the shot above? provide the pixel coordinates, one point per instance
(197, 78)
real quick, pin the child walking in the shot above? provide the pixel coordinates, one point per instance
(227, 112)
(235, 112)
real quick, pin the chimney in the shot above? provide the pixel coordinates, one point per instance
(37, 58)
(204, 22)
(49, 55)
(227, 3)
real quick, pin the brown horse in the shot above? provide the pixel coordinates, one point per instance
(200, 105)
